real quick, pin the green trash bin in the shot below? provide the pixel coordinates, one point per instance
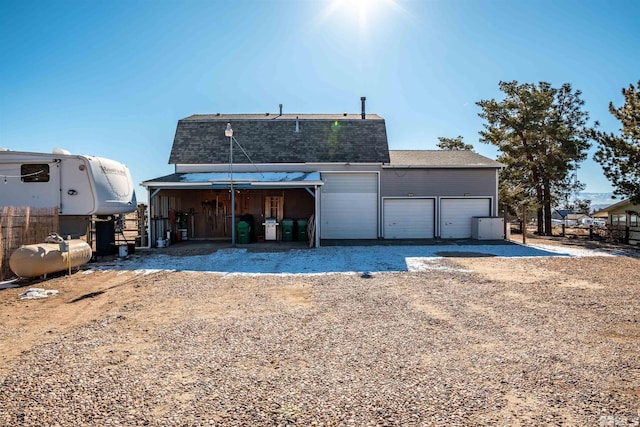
(302, 230)
(244, 230)
(287, 230)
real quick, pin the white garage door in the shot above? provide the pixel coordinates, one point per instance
(349, 206)
(409, 218)
(456, 214)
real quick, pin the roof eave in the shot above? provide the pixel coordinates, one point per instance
(245, 184)
(442, 166)
(174, 184)
(289, 184)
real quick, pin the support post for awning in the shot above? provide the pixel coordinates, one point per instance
(150, 232)
(317, 219)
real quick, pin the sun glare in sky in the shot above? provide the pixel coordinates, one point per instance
(362, 12)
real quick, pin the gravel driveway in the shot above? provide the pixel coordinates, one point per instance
(471, 341)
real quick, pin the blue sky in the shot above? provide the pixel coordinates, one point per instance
(112, 78)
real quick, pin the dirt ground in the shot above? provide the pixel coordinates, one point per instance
(480, 341)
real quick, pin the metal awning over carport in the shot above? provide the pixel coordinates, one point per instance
(196, 180)
(241, 180)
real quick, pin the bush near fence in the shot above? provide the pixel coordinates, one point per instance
(23, 226)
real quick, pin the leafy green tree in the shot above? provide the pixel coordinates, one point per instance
(542, 134)
(454, 144)
(619, 156)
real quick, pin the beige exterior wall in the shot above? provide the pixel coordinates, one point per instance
(627, 215)
(621, 215)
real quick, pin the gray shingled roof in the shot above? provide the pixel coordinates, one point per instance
(440, 158)
(272, 138)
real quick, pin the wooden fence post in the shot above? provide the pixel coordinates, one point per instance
(524, 224)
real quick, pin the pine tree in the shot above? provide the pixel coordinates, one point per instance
(542, 133)
(619, 156)
(455, 144)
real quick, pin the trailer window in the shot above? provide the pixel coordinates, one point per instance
(34, 173)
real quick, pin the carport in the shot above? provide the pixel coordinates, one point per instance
(198, 205)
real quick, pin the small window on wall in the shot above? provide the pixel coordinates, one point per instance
(634, 220)
(34, 173)
(619, 219)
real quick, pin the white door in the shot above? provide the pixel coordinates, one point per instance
(456, 214)
(349, 206)
(409, 218)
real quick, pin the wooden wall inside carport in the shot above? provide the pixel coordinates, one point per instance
(210, 210)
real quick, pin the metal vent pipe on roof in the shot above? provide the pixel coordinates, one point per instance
(363, 99)
(280, 109)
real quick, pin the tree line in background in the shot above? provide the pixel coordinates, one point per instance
(543, 134)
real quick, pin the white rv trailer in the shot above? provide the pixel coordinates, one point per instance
(79, 186)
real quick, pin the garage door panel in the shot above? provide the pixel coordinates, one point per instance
(350, 183)
(456, 214)
(409, 218)
(349, 206)
(348, 216)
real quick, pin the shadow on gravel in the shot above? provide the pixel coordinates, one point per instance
(458, 254)
(86, 296)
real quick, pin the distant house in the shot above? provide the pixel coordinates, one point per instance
(561, 214)
(579, 218)
(334, 169)
(623, 214)
(569, 218)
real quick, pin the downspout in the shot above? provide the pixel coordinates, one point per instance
(495, 208)
(379, 213)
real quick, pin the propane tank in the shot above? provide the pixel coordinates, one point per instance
(55, 254)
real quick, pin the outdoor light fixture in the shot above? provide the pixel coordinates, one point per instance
(228, 132)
